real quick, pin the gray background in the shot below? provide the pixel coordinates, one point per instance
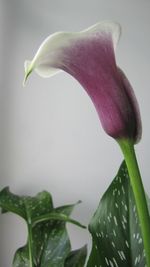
(51, 137)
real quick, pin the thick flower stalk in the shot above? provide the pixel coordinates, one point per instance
(89, 56)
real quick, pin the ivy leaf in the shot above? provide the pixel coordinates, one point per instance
(76, 258)
(115, 227)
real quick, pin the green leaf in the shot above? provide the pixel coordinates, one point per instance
(48, 243)
(115, 228)
(76, 258)
(22, 258)
(29, 208)
(51, 243)
(56, 247)
(57, 216)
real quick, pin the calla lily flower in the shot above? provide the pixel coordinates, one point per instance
(89, 56)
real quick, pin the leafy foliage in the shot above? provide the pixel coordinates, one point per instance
(76, 258)
(115, 227)
(48, 243)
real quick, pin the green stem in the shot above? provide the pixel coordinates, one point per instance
(127, 148)
(30, 245)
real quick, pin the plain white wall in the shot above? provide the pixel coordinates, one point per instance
(51, 137)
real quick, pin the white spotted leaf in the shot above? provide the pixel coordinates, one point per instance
(48, 241)
(29, 208)
(51, 244)
(115, 229)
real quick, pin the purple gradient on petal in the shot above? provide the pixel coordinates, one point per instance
(133, 102)
(91, 61)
